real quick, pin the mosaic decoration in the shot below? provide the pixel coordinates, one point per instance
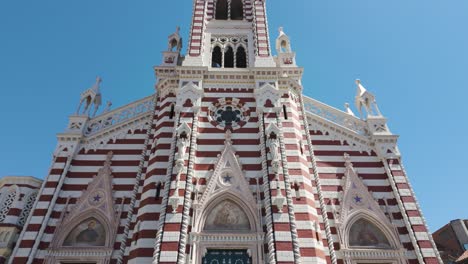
(365, 234)
(89, 233)
(227, 216)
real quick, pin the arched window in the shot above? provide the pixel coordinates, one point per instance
(285, 112)
(237, 10)
(364, 234)
(221, 10)
(229, 57)
(89, 233)
(174, 45)
(171, 114)
(216, 58)
(7, 202)
(158, 190)
(284, 46)
(241, 58)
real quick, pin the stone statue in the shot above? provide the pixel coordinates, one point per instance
(273, 145)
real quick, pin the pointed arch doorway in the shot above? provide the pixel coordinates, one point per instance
(227, 232)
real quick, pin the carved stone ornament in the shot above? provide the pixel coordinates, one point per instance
(267, 94)
(189, 91)
(90, 225)
(279, 201)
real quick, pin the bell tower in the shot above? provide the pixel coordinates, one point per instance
(229, 34)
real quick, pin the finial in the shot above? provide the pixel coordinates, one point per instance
(347, 159)
(108, 106)
(177, 30)
(97, 84)
(358, 82)
(228, 137)
(281, 31)
(109, 156)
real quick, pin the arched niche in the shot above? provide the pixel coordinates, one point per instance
(227, 216)
(363, 230)
(213, 209)
(88, 233)
(89, 229)
(365, 234)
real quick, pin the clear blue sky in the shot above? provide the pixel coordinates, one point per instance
(412, 54)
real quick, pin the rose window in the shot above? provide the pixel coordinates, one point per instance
(228, 114)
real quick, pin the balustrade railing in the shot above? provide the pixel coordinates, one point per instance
(120, 115)
(334, 115)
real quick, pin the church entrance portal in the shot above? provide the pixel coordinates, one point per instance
(226, 256)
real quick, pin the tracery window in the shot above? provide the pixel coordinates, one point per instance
(28, 204)
(229, 57)
(217, 58)
(7, 202)
(241, 58)
(229, 52)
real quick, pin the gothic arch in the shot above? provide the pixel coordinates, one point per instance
(109, 230)
(357, 216)
(241, 57)
(229, 56)
(217, 57)
(254, 225)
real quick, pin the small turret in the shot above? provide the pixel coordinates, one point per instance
(171, 57)
(367, 100)
(91, 97)
(283, 47)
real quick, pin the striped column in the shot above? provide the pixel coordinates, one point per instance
(196, 32)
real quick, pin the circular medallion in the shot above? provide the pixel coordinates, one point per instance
(96, 198)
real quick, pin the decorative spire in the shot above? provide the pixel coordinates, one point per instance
(348, 109)
(92, 96)
(97, 84)
(367, 100)
(281, 31)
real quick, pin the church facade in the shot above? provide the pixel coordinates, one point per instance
(227, 162)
